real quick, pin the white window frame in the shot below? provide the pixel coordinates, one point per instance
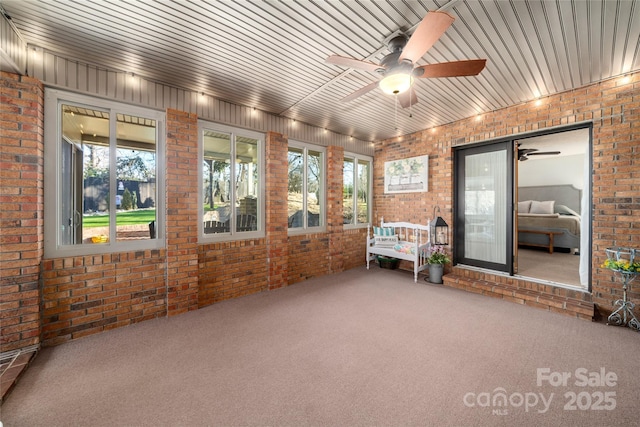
(355, 158)
(232, 234)
(305, 229)
(54, 98)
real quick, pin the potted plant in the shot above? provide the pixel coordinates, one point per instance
(624, 266)
(437, 259)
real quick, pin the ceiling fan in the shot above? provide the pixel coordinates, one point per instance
(398, 67)
(524, 153)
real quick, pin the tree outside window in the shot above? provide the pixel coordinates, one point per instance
(232, 183)
(356, 190)
(306, 187)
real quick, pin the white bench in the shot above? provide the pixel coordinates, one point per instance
(414, 242)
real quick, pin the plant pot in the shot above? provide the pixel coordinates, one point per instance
(435, 273)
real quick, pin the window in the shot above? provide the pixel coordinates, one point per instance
(356, 190)
(306, 187)
(232, 180)
(102, 185)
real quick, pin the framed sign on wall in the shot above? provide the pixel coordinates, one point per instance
(407, 175)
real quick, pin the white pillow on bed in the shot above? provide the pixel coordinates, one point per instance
(545, 207)
(524, 207)
(565, 210)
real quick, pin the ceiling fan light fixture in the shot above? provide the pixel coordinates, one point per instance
(397, 83)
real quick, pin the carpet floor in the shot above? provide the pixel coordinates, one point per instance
(358, 348)
(559, 267)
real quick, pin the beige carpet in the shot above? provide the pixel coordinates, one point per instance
(559, 267)
(360, 348)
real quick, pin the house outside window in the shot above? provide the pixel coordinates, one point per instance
(231, 184)
(102, 176)
(306, 195)
(356, 190)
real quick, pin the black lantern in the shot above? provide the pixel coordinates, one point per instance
(439, 230)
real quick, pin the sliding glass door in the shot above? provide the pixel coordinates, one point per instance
(484, 204)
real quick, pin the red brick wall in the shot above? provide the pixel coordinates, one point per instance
(334, 189)
(89, 294)
(614, 109)
(276, 225)
(182, 212)
(231, 269)
(415, 207)
(353, 248)
(412, 207)
(21, 209)
(308, 256)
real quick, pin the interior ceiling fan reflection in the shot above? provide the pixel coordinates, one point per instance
(399, 69)
(524, 153)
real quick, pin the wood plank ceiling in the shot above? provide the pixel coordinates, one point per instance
(271, 54)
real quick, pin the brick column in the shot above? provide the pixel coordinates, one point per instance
(335, 227)
(21, 209)
(276, 209)
(182, 212)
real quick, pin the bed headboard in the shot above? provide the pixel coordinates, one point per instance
(567, 195)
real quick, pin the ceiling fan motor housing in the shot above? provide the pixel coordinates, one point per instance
(397, 43)
(390, 65)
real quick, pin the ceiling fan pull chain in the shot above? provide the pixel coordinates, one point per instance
(396, 113)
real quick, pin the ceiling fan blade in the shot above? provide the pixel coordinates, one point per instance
(360, 92)
(525, 151)
(432, 27)
(470, 67)
(408, 98)
(542, 153)
(353, 63)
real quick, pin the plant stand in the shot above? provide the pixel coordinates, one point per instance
(624, 314)
(626, 306)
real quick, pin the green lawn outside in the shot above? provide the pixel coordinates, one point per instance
(140, 216)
